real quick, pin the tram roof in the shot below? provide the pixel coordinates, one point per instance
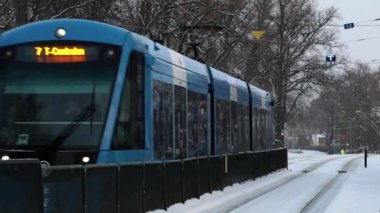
(76, 29)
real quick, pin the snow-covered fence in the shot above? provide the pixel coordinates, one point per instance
(132, 187)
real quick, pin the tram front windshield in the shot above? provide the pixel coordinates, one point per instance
(55, 92)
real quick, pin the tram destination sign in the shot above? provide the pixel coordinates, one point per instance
(59, 51)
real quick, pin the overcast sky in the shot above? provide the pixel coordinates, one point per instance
(360, 13)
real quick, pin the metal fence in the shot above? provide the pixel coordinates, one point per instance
(137, 187)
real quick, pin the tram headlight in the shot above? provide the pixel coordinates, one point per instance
(85, 159)
(8, 53)
(5, 157)
(110, 52)
(60, 33)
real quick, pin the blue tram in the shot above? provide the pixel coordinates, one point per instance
(78, 91)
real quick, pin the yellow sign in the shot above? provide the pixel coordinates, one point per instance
(60, 51)
(258, 34)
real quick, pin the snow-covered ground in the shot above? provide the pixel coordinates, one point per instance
(314, 182)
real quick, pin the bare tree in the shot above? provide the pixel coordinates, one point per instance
(7, 15)
(19, 12)
(87, 9)
(219, 27)
(293, 65)
(21, 15)
(349, 110)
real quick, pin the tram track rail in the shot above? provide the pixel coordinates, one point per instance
(297, 189)
(288, 179)
(327, 187)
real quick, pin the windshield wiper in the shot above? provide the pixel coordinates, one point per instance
(50, 150)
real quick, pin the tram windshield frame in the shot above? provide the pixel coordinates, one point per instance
(43, 100)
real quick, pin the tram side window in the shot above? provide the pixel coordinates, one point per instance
(263, 142)
(271, 131)
(245, 127)
(263, 129)
(129, 132)
(163, 120)
(238, 142)
(242, 128)
(235, 140)
(222, 126)
(269, 141)
(255, 138)
(259, 130)
(197, 124)
(239, 129)
(180, 121)
(267, 132)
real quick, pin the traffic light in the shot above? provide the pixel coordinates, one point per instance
(349, 26)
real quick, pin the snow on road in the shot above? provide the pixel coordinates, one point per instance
(296, 194)
(314, 182)
(361, 190)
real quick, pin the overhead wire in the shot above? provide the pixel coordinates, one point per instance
(361, 39)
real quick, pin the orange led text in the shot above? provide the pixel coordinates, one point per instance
(60, 51)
